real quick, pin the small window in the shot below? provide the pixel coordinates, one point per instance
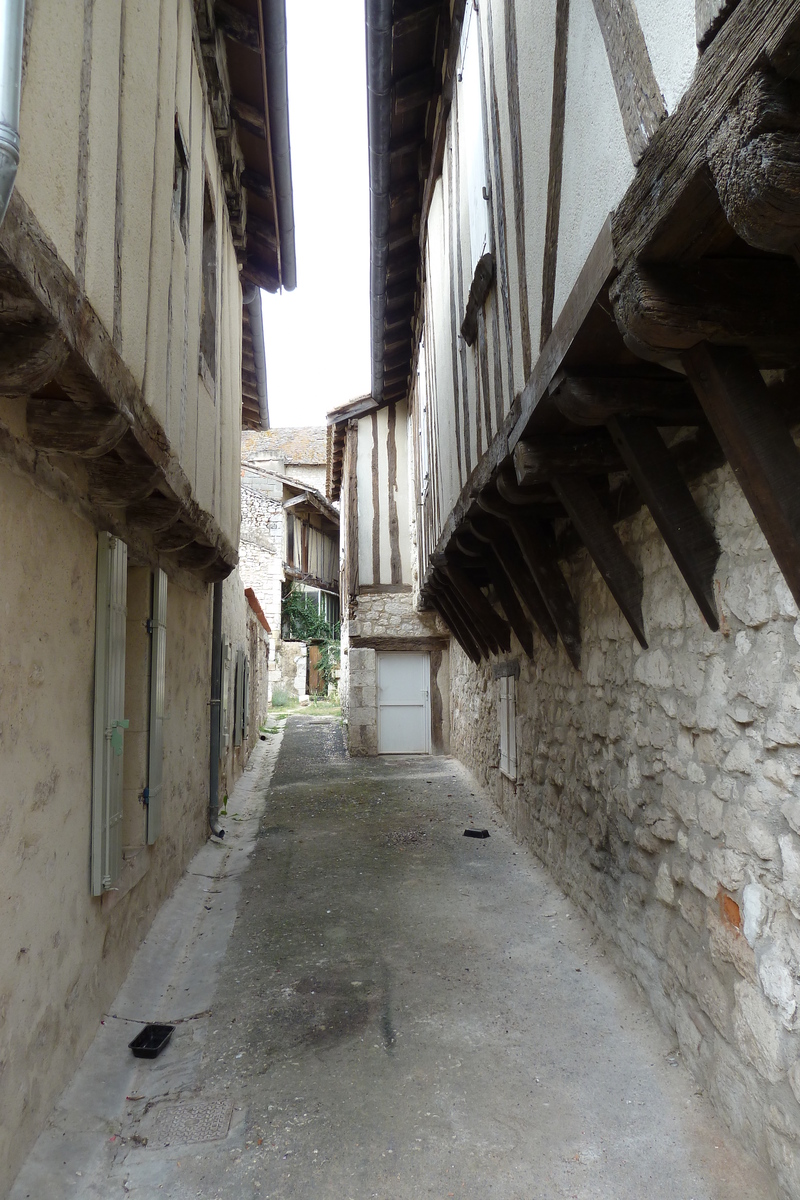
(508, 726)
(180, 183)
(208, 318)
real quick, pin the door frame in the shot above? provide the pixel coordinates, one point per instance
(426, 698)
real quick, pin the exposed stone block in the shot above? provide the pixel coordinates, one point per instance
(759, 1034)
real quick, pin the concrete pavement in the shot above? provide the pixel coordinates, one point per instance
(370, 1004)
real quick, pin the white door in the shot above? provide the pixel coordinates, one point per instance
(404, 719)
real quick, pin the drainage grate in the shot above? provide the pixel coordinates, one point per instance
(198, 1121)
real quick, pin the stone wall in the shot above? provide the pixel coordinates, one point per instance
(292, 661)
(660, 786)
(261, 551)
(388, 621)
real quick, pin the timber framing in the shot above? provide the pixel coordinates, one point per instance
(84, 407)
(678, 349)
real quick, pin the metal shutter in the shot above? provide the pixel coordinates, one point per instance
(158, 664)
(109, 718)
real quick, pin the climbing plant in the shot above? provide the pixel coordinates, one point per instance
(303, 622)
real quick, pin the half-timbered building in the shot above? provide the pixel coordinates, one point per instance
(153, 199)
(585, 219)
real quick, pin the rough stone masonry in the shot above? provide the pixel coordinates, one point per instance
(661, 789)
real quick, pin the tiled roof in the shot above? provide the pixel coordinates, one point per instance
(305, 445)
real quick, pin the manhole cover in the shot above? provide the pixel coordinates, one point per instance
(196, 1121)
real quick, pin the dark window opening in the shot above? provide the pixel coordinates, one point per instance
(208, 316)
(180, 183)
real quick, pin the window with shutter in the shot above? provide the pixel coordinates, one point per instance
(508, 726)
(155, 741)
(246, 699)
(109, 716)
(238, 704)
(224, 708)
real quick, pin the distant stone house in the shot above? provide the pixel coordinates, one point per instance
(289, 536)
(153, 199)
(585, 290)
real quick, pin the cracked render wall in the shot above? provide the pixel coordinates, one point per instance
(662, 789)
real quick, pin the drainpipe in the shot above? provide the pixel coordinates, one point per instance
(379, 117)
(278, 86)
(252, 302)
(12, 24)
(216, 712)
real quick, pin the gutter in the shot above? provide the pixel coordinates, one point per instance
(12, 24)
(251, 299)
(379, 118)
(274, 18)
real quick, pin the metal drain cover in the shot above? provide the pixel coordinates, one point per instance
(194, 1121)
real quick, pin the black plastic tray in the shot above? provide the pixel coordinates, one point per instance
(150, 1041)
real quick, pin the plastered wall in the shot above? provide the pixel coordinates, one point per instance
(661, 787)
(104, 83)
(63, 954)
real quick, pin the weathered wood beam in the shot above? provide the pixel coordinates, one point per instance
(176, 537)
(263, 274)
(156, 512)
(497, 535)
(688, 536)
(496, 628)
(580, 453)
(639, 97)
(249, 118)
(478, 291)
(709, 15)
(515, 615)
(454, 623)
(753, 158)
(757, 444)
(591, 400)
(600, 538)
(30, 357)
(117, 485)
(461, 618)
(539, 553)
(415, 23)
(663, 309)
(414, 91)
(257, 183)
(677, 154)
(237, 25)
(58, 426)
(542, 498)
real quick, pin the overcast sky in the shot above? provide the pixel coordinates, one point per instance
(317, 337)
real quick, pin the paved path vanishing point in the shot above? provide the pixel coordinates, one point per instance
(374, 1005)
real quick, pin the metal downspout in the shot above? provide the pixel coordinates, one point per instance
(216, 712)
(277, 84)
(379, 116)
(252, 302)
(12, 26)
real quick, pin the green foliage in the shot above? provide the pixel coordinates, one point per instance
(306, 624)
(280, 698)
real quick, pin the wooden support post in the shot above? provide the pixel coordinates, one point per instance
(688, 535)
(540, 556)
(456, 617)
(512, 608)
(757, 444)
(598, 534)
(584, 452)
(455, 626)
(510, 558)
(494, 626)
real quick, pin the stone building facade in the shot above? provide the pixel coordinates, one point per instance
(577, 241)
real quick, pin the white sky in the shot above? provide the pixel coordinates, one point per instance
(317, 337)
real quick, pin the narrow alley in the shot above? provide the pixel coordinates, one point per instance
(370, 1004)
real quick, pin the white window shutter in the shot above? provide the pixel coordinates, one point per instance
(511, 709)
(158, 667)
(238, 705)
(224, 707)
(109, 716)
(246, 699)
(503, 722)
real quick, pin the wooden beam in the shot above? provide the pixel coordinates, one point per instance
(417, 22)
(464, 621)
(665, 308)
(496, 628)
(257, 183)
(454, 624)
(117, 485)
(156, 512)
(176, 537)
(685, 530)
(263, 274)
(709, 15)
(484, 556)
(541, 498)
(677, 154)
(249, 118)
(757, 444)
(753, 159)
(237, 25)
(638, 94)
(591, 400)
(61, 427)
(413, 91)
(587, 452)
(30, 357)
(558, 111)
(600, 538)
(478, 291)
(263, 231)
(509, 555)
